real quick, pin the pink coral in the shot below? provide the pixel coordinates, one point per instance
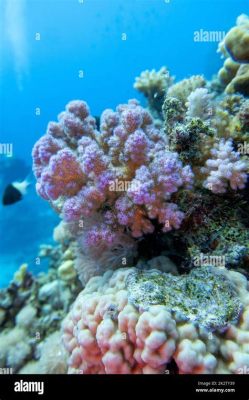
(107, 333)
(225, 169)
(63, 177)
(77, 168)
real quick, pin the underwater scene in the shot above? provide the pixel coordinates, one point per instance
(124, 165)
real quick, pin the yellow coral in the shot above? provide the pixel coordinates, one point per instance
(228, 71)
(237, 40)
(20, 274)
(234, 74)
(181, 90)
(66, 270)
(152, 82)
(240, 83)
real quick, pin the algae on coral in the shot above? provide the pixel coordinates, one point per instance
(206, 296)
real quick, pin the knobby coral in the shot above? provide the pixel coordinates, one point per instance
(234, 75)
(236, 41)
(129, 321)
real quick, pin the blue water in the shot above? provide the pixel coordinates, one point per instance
(85, 35)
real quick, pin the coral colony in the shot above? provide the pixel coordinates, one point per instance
(152, 259)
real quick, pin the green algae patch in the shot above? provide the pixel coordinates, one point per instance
(205, 296)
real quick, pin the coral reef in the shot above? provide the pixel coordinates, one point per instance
(150, 269)
(123, 322)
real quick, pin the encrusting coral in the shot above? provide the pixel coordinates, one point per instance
(215, 229)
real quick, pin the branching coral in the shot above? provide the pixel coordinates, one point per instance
(122, 176)
(129, 322)
(181, 90)
(225, 169)
(154, 85)
(199, 104)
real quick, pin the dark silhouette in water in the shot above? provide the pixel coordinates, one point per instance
(11, 195)
(15, 192)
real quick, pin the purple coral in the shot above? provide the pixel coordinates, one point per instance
(155, 184)
(136, 147)
(43, 151)
(77, 168)
(225, 168)
(62, 177)
(93, 159)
